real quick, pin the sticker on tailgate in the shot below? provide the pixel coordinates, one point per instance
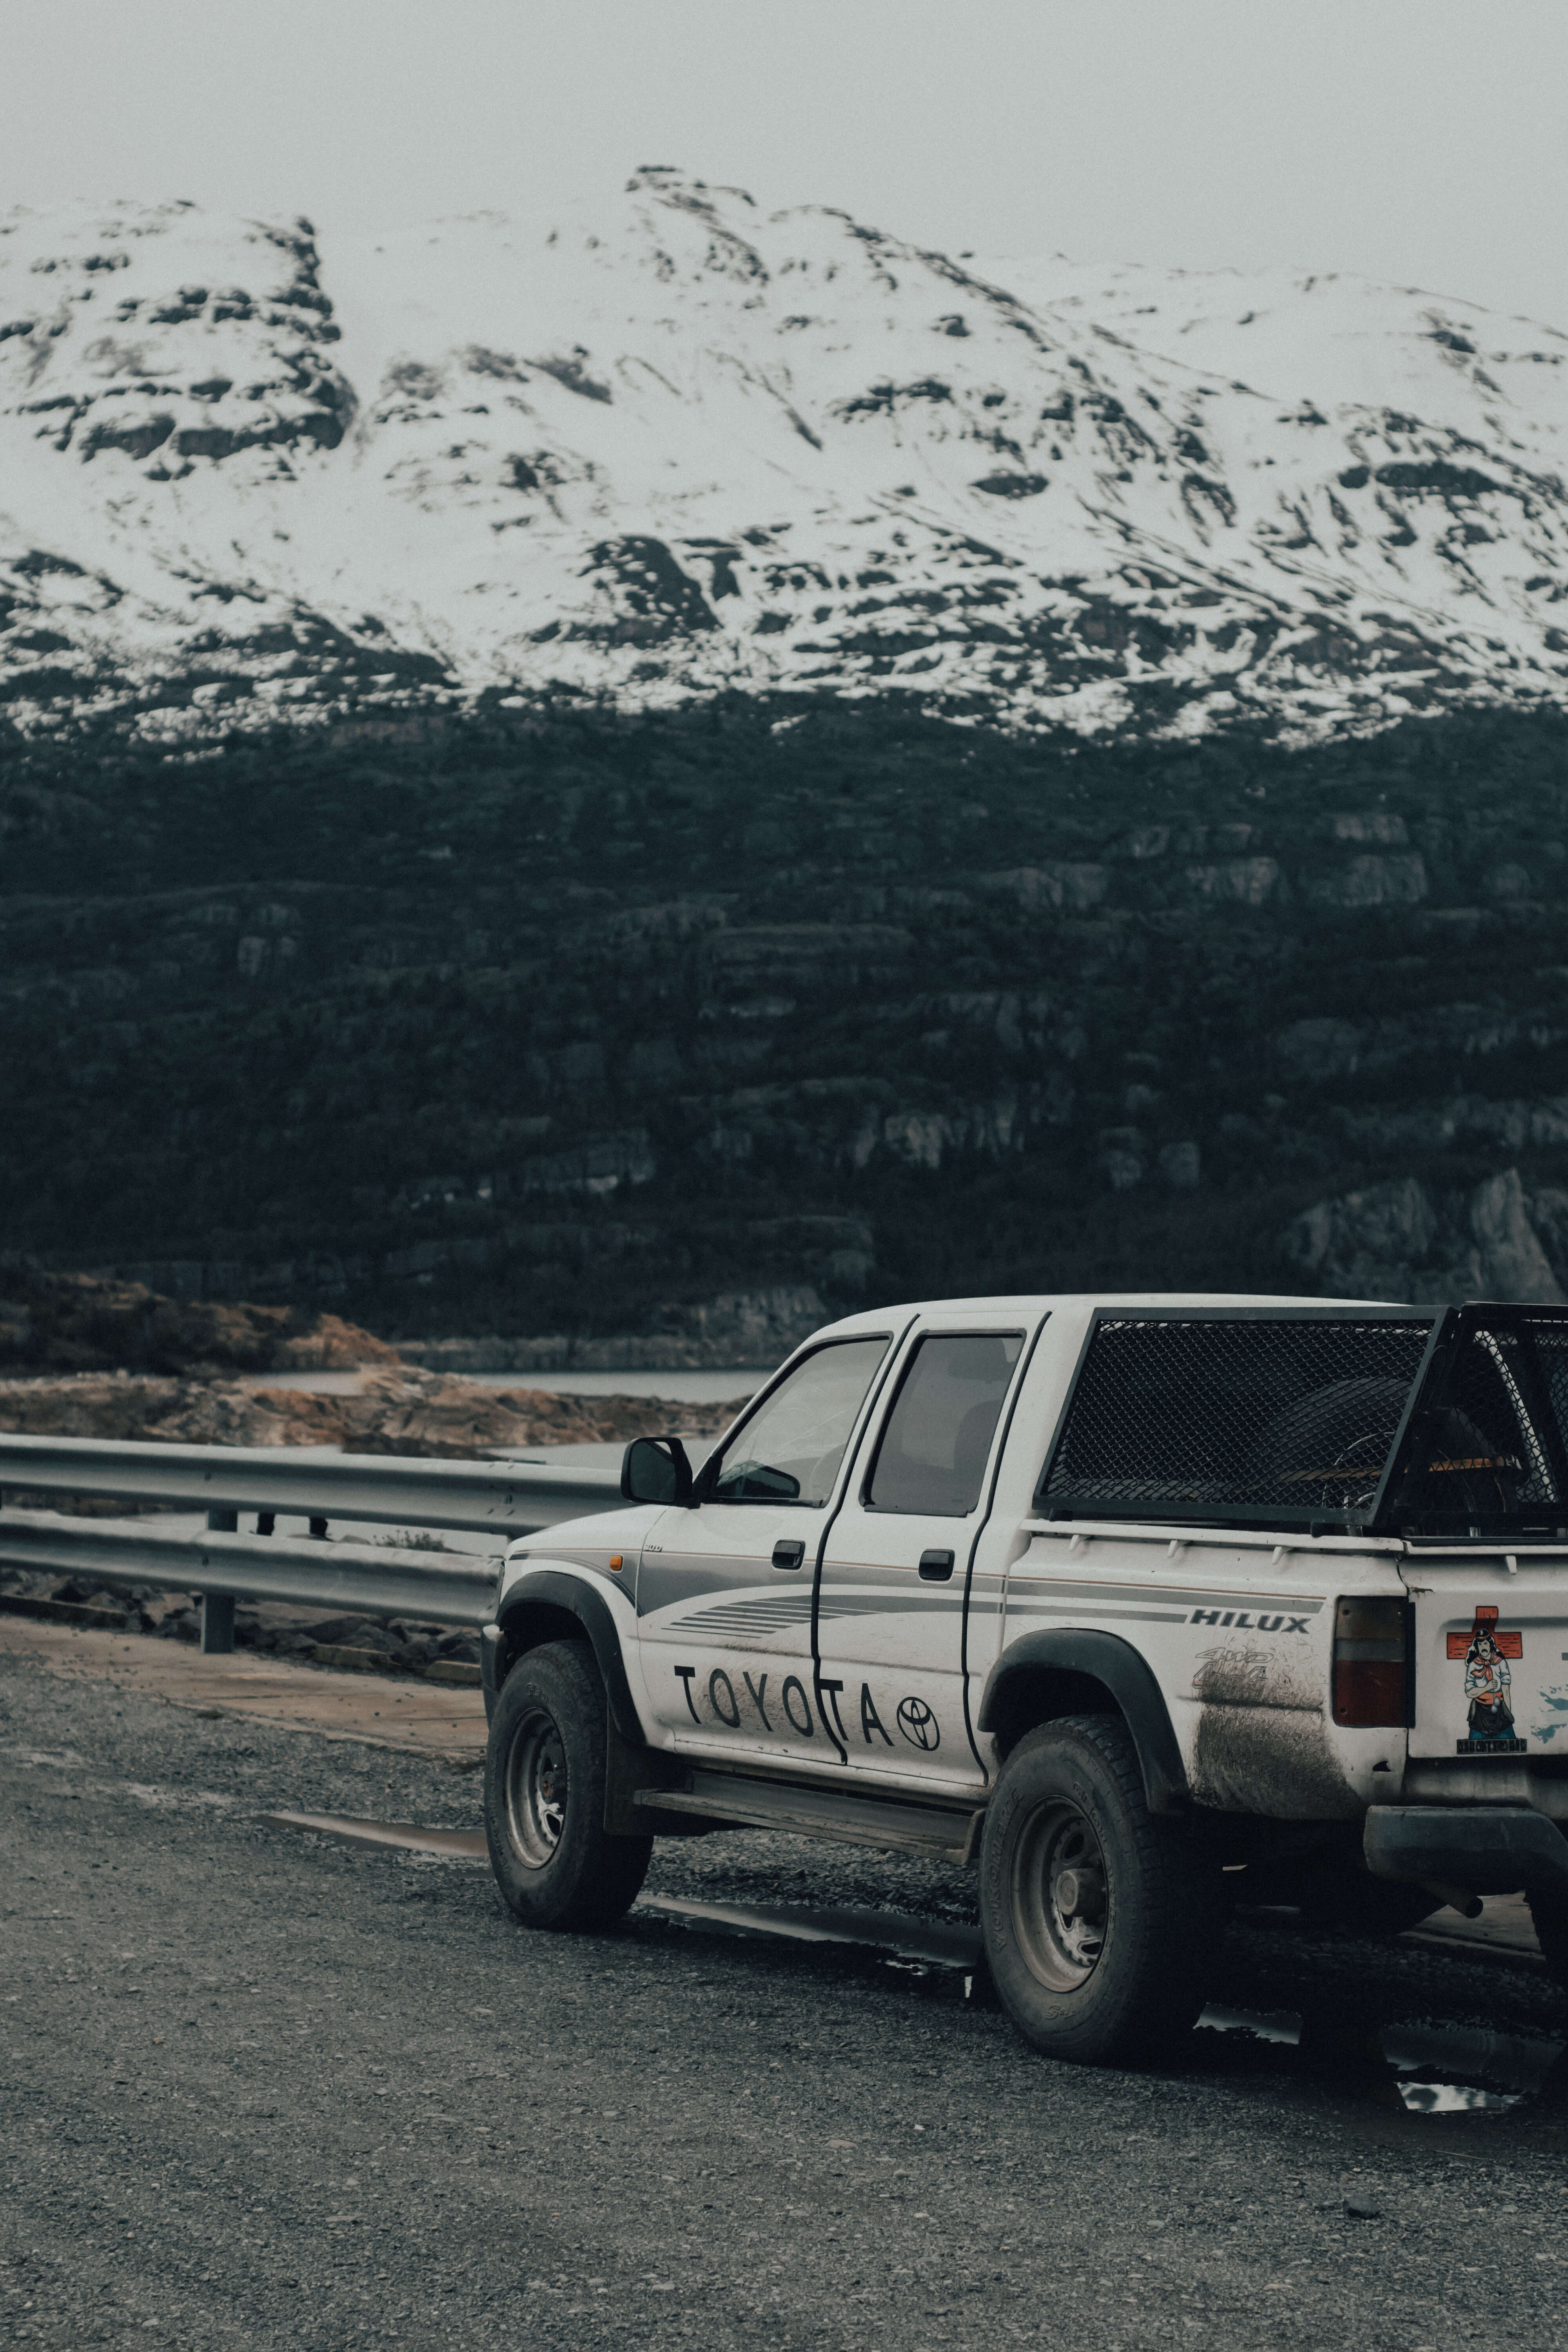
(1486, 1650)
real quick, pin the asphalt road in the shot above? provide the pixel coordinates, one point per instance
(259, 2089)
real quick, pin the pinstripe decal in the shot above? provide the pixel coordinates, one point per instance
(769, 1615)
(775, 1613)
(1082, 1610)
(1249, 1597)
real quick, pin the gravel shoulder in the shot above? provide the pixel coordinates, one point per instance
(256, 2085)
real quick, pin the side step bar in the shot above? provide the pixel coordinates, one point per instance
(938, 1831)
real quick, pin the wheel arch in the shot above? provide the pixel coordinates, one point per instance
(1067, 1671)
(550, 1605)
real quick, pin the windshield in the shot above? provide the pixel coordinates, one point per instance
(790, 1450)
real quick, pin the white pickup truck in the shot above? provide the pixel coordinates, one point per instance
(1142, 1604)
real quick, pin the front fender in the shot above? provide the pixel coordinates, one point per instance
(1023, 1676)
(532, 1610)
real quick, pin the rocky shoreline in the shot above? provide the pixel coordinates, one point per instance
(113, 1321)
(397, 1646)
(99, 1322)
(736, 1328)
(408, 1410)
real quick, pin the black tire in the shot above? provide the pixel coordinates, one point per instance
(544, 1796)
(1109, 1968)
(1549, 1909)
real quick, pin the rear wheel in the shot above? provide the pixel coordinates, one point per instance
(1098, 1917)
(544, 1796)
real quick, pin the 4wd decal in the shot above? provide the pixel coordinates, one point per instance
(1486, 1650)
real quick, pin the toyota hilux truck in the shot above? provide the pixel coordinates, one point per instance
(1142, 1606)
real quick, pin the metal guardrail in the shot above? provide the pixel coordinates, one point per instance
(458, 1590)
(223, 1565)
(475, 1497)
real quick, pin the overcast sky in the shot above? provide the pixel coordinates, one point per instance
(1422, 140)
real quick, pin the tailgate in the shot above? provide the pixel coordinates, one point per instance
(1490, 1654)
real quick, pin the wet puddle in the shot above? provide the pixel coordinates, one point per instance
(1436, 2069)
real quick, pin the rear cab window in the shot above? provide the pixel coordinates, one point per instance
(937, 1439)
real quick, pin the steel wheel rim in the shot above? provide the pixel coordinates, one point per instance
(1060, 1896)
(536, 1789)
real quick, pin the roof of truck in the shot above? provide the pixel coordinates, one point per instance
(1036, 1302)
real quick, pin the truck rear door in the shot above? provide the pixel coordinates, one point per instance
(895, 1570)
(1490, 1654)
(1480, 1495)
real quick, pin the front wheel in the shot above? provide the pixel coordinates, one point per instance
(1097, 1916)
(544, 1796)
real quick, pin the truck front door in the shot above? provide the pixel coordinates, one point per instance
(725, 1588)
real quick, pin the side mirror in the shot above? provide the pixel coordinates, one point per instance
(655, 1470)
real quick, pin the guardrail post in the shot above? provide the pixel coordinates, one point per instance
(217, 1624)
(217, 1608)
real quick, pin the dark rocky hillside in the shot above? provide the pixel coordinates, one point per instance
(555, 1021)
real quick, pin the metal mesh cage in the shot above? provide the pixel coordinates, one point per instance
(1551, 1345)
(1252, 1416)
(1489, 1447)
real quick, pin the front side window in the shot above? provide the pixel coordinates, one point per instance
(937, 1439)
(790, 1450)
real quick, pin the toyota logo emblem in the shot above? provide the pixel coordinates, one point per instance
(918, 1725)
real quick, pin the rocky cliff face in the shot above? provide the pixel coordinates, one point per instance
(698, 1028)
(1398, 1241)
(672, 448)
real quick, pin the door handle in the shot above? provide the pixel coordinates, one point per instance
(936, 1566)
(788, 1554)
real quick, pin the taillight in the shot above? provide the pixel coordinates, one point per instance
(1369, 1662)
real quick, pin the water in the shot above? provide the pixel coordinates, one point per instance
(1436, 2069)
(681, 1387)
(686, 1388)
(591, 1455)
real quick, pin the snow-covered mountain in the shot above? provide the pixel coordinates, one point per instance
(675, 445)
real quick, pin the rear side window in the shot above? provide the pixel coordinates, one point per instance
(1262, 1417)
(790, 1450)
(934, 1449)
